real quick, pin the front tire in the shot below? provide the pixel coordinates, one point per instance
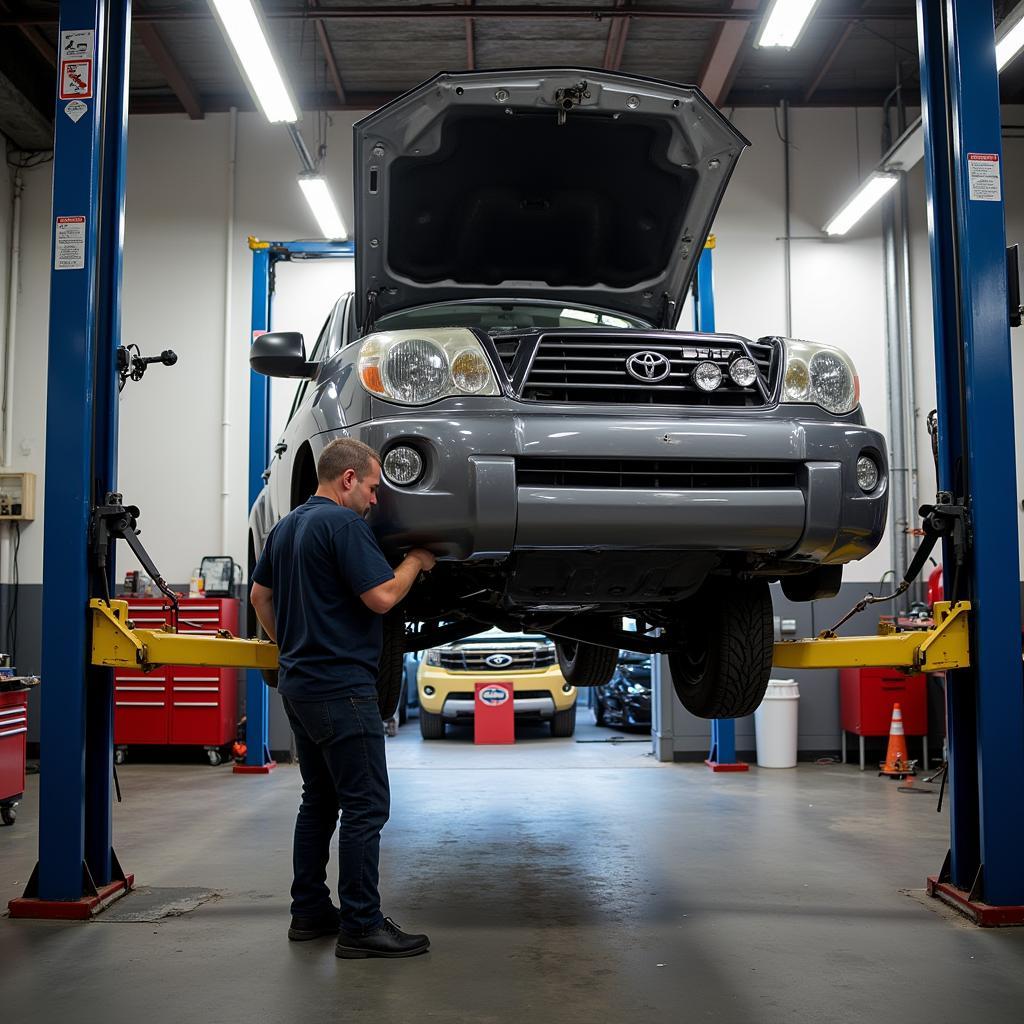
(431, 725)
(564, 722)
(584, 664)
(729, 637)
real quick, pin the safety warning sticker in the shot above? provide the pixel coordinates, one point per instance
(76, 57)
(69, 244)
(983, 177)
(76, 109)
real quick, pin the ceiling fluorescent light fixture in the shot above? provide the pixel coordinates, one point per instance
(242, 24)
(784, 22)
(860, 202)
(321, 202)
(1010, 37)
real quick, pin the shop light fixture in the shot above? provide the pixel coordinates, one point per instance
(860, 202)
(242, 24)
(1010, 37)
(785, 21)
(321, 202)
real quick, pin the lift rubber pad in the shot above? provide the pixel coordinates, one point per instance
(71, 910)
(983, 914)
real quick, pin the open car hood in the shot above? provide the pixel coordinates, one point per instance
(577, 185)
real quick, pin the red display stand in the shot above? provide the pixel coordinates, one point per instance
(494, 719)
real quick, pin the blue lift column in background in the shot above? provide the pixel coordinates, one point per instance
(77, 870)
(265, 257)
(722, 755)
(984, 871)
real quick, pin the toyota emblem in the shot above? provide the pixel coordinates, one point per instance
(498, 660)
(649, 367)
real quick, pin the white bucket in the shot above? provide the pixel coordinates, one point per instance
(775, 724)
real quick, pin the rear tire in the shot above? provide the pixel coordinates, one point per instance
(724, 668)
(391, 669)
(564, 722)
(431, 725)
(584, 664)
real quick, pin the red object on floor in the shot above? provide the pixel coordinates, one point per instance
(71, 910)
(983, 914)
(191, 705)
(494, 719)
(730, 766)
(13, 733)
(254, 769)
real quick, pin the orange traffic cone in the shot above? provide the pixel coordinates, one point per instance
(897, 763)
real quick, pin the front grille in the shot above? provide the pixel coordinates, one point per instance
(655, 474)
(521, 694)
(592, 369)
(471, 660)
(507, 349)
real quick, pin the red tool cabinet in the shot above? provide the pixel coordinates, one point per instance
(866, 697)
(178, 704)
(13, 733)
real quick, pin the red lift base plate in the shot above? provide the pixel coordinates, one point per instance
(727, 766)
(254, 769)
(71, 910)
(983, 914)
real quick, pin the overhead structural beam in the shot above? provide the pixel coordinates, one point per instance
(179, 82)
(723, 59)
(831, 52)
(470, 42)
(616, 44)
(329, 58)
(505, 12)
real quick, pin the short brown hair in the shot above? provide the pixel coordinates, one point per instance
(342, 454)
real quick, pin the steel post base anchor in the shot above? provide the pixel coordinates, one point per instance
(71, 910)
(254, 769)
(982, 914)
(729, 766)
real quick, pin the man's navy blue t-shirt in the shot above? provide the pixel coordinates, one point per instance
(317, 561)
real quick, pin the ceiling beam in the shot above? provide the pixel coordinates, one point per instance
(329, 58)
(612, 44)
(470, 42)
(217, 103)
(826, 62)
(40, 43)
(179, 82)
(723, 59)
(505, 11)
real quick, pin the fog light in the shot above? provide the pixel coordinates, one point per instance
(743, 371)
(428, 691)
(566, 687)
(707, 376)
(867, 473)
(403, 465)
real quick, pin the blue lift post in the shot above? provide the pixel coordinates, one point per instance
(983, 873)
(722, 755)
(265, 257)
(77, 869)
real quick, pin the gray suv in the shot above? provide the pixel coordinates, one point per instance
(526, 240)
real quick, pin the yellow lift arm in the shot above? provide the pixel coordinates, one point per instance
(945, 646)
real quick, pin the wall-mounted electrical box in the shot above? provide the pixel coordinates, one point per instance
(17, 497)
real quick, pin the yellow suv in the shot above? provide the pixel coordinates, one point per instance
(447, 674)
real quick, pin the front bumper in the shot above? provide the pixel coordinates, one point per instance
(543, 689)
(468, 504)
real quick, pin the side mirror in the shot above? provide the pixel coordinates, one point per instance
(281, 354)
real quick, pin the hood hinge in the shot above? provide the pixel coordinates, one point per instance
(371, 312)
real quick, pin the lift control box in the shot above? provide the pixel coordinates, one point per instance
(17, 497)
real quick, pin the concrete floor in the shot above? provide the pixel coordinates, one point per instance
(559, 881)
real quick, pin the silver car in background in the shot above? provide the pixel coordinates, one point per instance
(526, 240)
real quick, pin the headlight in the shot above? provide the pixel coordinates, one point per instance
(433, 657)
(417, 367)
(820, 374)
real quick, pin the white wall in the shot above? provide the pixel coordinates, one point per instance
(174, 295)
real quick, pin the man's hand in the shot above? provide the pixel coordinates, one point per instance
(424, 557)
(383, 598)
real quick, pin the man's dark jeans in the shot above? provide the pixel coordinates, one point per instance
(340, 745)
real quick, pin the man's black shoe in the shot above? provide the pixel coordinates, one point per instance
(387, 940)
(304, 928)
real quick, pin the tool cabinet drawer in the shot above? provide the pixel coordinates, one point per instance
(868, 694)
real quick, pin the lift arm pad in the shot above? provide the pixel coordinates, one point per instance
(117, 645)
(944, 646)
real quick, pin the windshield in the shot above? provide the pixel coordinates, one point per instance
(505, 316)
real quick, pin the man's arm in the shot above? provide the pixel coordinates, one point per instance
(385, 596)
(262, 600)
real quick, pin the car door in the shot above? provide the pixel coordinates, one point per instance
(300, 424)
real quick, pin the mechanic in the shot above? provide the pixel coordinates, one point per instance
(319, 589)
